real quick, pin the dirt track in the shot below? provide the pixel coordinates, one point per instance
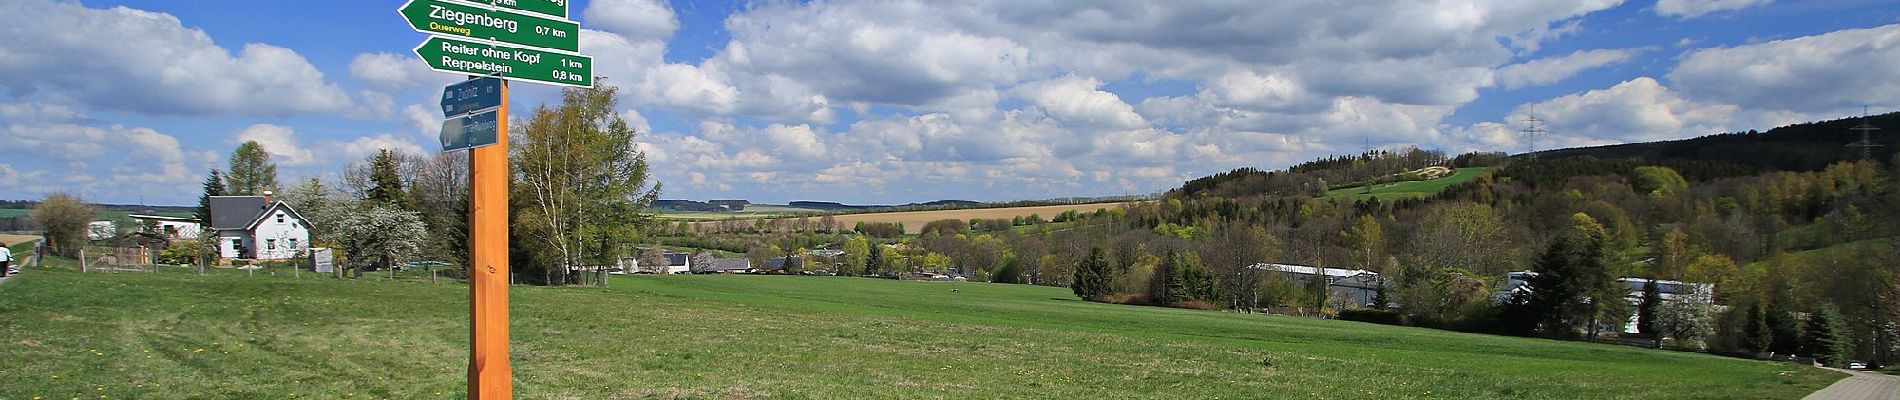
(11, 239)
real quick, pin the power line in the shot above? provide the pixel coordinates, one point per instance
(1866, 143)
(1530, 133)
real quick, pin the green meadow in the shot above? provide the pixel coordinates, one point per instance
(1400, 190)
(174, 335)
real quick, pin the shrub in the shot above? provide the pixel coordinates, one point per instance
(1198, 305)
(1382, 317)
(181, 252)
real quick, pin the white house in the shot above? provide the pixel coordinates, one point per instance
(253, 227)
(169, 227)
(676, 263)
(679, 263)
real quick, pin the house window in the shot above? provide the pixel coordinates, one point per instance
(293, 244)
(280, 218)
(270, 244)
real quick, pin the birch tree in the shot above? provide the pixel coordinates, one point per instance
(581, 184)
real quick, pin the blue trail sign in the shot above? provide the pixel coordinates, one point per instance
(474, 130)
(471, 95)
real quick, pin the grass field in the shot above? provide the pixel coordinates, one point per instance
(177, 335)
(1394, 191)
(914, 220)
(750, 212)
(103, 215)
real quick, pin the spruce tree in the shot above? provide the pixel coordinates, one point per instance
(1784, 329)
(1162, 287)
(1827, 336)
(1646, 312)
(1380, 301)
(874, 263)
(1756, 336)
(1192, 280)
(385, 184)
(1568, 273)
(1091, 275)
(214, 186)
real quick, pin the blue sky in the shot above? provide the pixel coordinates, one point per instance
(904, 101)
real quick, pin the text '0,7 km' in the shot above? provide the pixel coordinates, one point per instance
(454, 18)
(552, 8)
(478, 58)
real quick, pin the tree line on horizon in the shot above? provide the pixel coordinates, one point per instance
(1802, 260)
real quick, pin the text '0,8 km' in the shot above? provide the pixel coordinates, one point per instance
(454, 18)
(477, 58)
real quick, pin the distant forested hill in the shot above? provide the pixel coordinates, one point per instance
(1782, 223)
(1801, 147)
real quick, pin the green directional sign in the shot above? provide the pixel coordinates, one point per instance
(512, 62)
(552, 8)
(452, 18)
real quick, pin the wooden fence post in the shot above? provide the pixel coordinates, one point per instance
(82, 259)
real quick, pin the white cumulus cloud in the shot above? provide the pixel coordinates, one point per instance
(1696, 8)
(636, 19)
(1831, 73)
(1641, 109)
(1546, 71)
(147, 62)
(1080, 102)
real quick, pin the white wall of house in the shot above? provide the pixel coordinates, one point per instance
(230, 240)
(280, 236)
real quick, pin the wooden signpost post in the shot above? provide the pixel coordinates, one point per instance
(493, 42)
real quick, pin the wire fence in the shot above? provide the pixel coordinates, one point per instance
(135, 259)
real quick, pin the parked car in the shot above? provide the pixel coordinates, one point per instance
(1856, 365)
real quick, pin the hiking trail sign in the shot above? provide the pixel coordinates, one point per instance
(458, 19)
(479, 58)
(471, 95)
(470, 131)
(493, 41)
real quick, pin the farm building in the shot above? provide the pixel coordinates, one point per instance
(1519, 282)
(1357, 286)
(169, 227)
(730, 205)
(727, 266)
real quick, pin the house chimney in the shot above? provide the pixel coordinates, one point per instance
(267, 197)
